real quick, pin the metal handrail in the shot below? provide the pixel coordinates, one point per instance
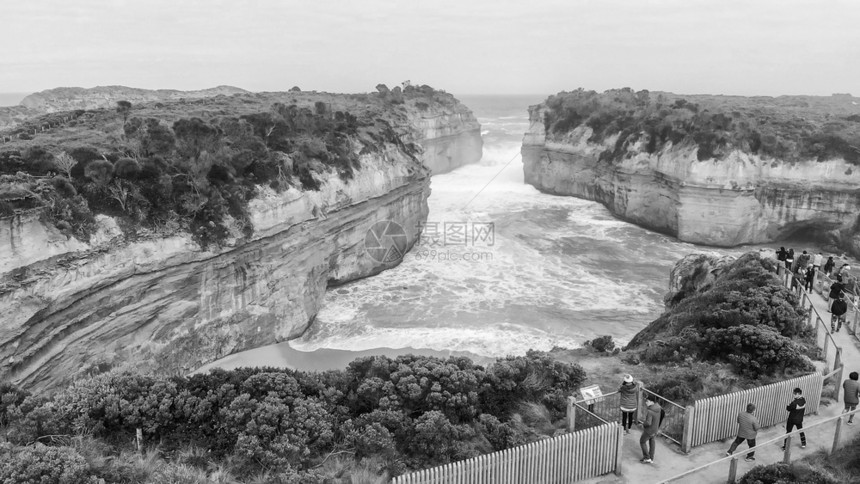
(661, 397)
(776, 439)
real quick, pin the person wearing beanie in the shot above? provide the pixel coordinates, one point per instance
(629, 402)
(796, 410)
(852, 395)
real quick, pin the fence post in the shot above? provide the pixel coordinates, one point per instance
(571, 414)
(836, 435)
(838, 364)
(619, 436)
(733, 471)
(687, 436)
(640, 404)
(786, 456)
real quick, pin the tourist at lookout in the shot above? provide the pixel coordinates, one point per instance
(810, 278)
(781, 254)
(835, 290)
(802, 261)
(747, 430)
(817, 260)
(828, 266)
(837, 313)
(796, 410)
(650, 426)
(851, 387)
(789, 259)
(629, 392)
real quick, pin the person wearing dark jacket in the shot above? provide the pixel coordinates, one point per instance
(837, 313)
(629, 401)
(852, 395)
(796, 409)
(835, 288)
(810, 279)
(650, 427)
(828, 266)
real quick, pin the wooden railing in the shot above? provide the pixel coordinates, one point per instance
(715, 418)
(732, 460)
(564, 459)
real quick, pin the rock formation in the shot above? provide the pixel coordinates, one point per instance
(719, 172)
(161, 301)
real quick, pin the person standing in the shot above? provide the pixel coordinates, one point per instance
(780, 254)
(817, 260)
(810, 278)
(828, 266)
(837, 313)
(789, 259)
(747, 430)
(629, 392)
(648, 442)
(835, 290)
(796, 410)
(851, 387)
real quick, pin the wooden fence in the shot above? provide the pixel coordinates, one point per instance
(716, 418)
(565, 459)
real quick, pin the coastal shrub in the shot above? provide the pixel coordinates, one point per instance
(781, 473)
(40, 464)
(99, 171)
(602, 343)
(127, 168)
(755, 350)
(679, 386)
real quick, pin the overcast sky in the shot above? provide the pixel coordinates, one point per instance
(746, 47)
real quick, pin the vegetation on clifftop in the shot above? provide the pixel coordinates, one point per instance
(788, 128)
(193, 165)
(380, 414)
(746, 321)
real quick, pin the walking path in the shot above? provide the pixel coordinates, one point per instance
(669, 461)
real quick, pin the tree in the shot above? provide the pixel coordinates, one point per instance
(65, 163)
(123, 108)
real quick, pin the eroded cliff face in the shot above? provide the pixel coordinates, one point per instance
(167, 305)
(161, 302)
(740, 199)
(450, 139)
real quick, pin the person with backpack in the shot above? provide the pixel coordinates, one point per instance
(835, 289)
(650, 427)
(837, 313)
(780, 254)
(802, 261)
(629, 396)
(796, 410)
(851, 387)
(747, 430)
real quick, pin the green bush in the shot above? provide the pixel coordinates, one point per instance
(40, 464)
(786, 474)
(755, 350)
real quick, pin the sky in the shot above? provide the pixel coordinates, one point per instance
(748, 47)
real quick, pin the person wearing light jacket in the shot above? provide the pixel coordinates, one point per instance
(796, 410)
(747, 430)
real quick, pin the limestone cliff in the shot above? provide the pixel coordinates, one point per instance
(156, 298)
(701, 175)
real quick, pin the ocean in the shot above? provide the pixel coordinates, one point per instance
(11, 98)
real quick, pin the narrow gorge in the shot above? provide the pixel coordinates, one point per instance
(175, 294)
(713, 170)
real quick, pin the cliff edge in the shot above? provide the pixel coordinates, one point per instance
(715, 170)
(166, 235)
